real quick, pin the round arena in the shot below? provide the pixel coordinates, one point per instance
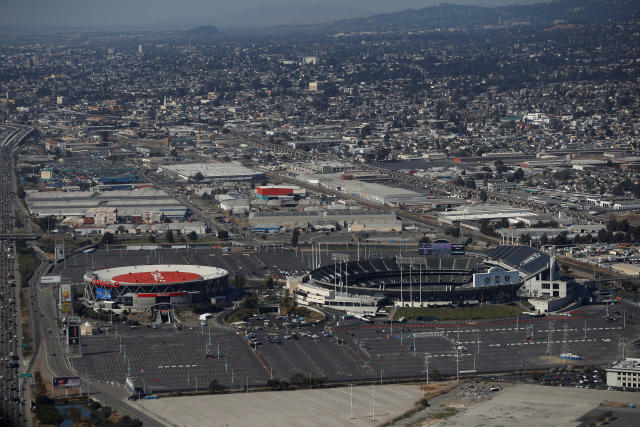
(152, 287)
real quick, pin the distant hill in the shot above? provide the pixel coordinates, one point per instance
(446, 16)
(203, 31)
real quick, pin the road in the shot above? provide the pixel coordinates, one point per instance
(53, 360)
(48, 355)
(14, 405)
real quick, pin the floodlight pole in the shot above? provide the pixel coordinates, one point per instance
(420, 267)
(373, 403)
(401, 288)
(457, 365)
(351, 398)
(411, 284)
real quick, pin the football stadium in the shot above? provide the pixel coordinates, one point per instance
(150, 287)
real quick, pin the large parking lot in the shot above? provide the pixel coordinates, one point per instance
(493, 346)
(171, 359)
(251, 265)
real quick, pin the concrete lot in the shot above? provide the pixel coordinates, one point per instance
(535, 406)
(319, 407)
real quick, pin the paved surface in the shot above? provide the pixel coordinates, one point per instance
(532, 405)
(326, 407)
(52, 363)
(255, 264)
(167, 359)
(493, 346)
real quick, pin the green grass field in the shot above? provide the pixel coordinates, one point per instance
(459, 313)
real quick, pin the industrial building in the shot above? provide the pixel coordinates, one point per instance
(353, 220)
(211, 172)
(624, 374)
(101, 206)
(373, 192)
(476, 213)
(269, 192)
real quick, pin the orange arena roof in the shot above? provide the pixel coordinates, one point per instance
(156, 277)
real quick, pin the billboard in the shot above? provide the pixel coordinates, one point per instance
(103, 293)
(65, 298)
(457, 249)
(73, 334)
(66, 381)
(49, 280)
(59, 252)
(435, 249)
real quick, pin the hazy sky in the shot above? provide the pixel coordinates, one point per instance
(182, 14)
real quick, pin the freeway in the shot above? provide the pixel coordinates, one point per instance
(48, 355)
(13, 404)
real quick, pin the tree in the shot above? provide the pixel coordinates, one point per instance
(216, 387)
(21, 193)
(295, 236)
(152, 238)
(502, 297)
(425, 239)
(198, 176)
(223, 234)
(169, 236)
(483, 195)
(382, 153)
(365, 131)
(193, 236)
(108, 238)
(269, 283)
(127, 421)
(250, 301)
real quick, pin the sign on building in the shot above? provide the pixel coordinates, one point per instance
(66, 381)
(73, 334)
(59, 251)
(49, 280)
(65, 298)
